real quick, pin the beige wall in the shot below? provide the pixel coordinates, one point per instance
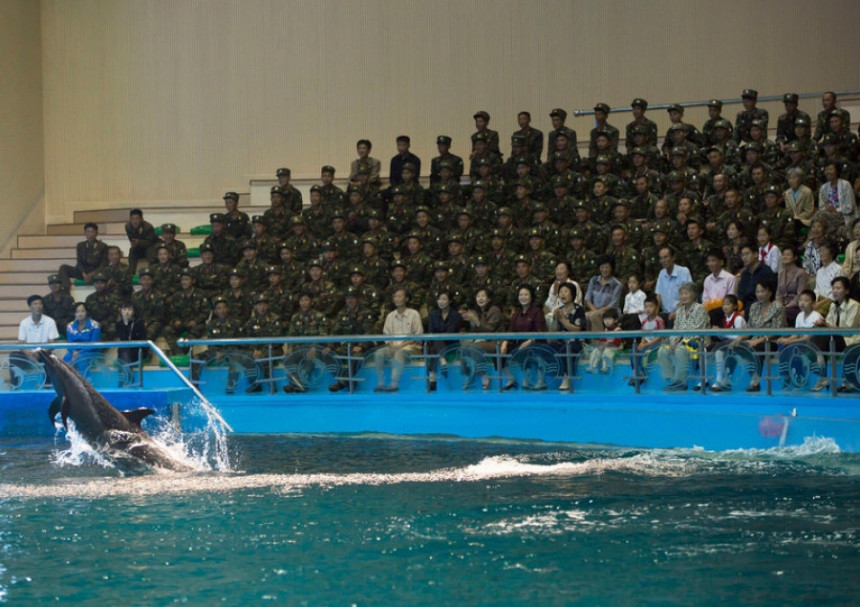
(22, 156)
(153, 100)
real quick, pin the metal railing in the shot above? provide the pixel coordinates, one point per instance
(734, 100)
(698, 342)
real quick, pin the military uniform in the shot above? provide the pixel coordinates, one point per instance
(186, 307)
(649, 125)
(608, 128)
(282, 302)
(304, 247)
(91, 257)
(238, 225)
(745, 118)
(318, 221)
(695, 257)
(779, 222)
(211, 278)
(489, 135)
(165, 278)
(224, 247)
(239, 301)
(151, 307)
(742, 215)
(308, 324)
(60, 307)
(103, 307)
(178, 252)
(325, 295)
(352, 320)
(255, 273)
(785, 123)
(539, 286)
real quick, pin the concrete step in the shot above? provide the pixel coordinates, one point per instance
(23, 278)
(22, 292)
(14, 305)
(60, 254)
(12, 318)
(69, 242)
(38, 265)
(9, 333)
(77, 229)
(196, 206)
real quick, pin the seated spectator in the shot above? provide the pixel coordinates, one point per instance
(718, 283)
(527, 317)
(188, 311)
(768, 252)
(836, 196)
(118, 274)
(754, 271)
(799, 199)
(731, 319)
(483, 317)
(843, 313)
(58, 304)
(568, 316)
(36, 328)
(604, 292)
(851, 265)
(129, 328)
(604, 350)
(647, 343)
(676, 353)
(765, 313)
(306, 322)
(817, 235)
(177, 248)
(150, 305)
(634, 303)
(854, 288)
(562, 275)
(790, 282)
(807, 318)
(372, 165)
(401, 321)
(103, 307)
(670, 279)
(829, 270)
(444, 319)
(91, 257)
(354, 319)
(141, 237)
(82, 329)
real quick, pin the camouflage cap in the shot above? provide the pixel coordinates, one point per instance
(519, 140)
(558, 112)
(456, 237)
(759, 124)
(185, 272)
(206, 248)
(416, 235)
(621, 202)
(752, 146)
(482, 114)
(261, 298)
(794, 146)
(409, 166)
(362, 169)
(679, 150)
(479, 185)
(678, 126)
(505, 211)
(327, 245)
(53, 278)
(539, 207)
(560, 156)
(722, 123)
(772, 189)
(217, 218)
(285, 244)
(337, 214)
(351, 291)
(274, 270)
(676, 176)
(480, 260)
(373, 214)
(276, 189)
(581, 204)
(603, 133)
(260, 219)
(220, 299)
(231, 196)
(801, 121)
(168, 227)
(675, 107)
(445, 188)
(297, 220)
(603, 159)
(602, 107)
(464, 211)
(639, 102)
(314, 262)
(483, 162)
(249, 243)
(443, 140)
(441, 266)
(524, 183)
(535, 233)
(714, 148)
(356, 270)
(639, 129)
(283, 172)
(398, 190)
(370, 239)
(560, 181)
(316, 188)
(829, 139)
(522, 259)
(575, 232)
(235, 272)
(446, 163)
(482, 136)
(397, 263)
(790, 98)
(327, 168)
(639, 151)
(497, 233)
(749, 94)
(422, 209)
(715, 103)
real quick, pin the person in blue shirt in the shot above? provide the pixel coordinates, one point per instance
(82, 329)
(670, 279)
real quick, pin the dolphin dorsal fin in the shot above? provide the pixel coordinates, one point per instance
(136, 416)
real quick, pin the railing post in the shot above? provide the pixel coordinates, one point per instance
(765, 367)
(637, 363)
(350, 384)
(426, 366)
(834, 389)
(270, 364)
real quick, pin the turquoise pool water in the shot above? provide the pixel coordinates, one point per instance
(393, 520)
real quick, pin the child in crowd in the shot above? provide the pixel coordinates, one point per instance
(605, 349)
(806, 319)
(768, 252)
(634, 301)
(648, 343)
(732, 319)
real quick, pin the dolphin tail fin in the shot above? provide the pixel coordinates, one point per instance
(137, 415)
(59, 405)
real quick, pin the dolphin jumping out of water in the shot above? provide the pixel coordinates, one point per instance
(101, 425)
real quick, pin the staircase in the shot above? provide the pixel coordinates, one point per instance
(34, 257)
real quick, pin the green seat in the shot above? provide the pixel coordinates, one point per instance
(135, 280)
(841, 258)
(180, 360)
(193, 252)
(203, 230)
(79, 282)
(158, 231)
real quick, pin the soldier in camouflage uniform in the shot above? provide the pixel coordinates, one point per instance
(558, 117)
(723, 140)
(441, 283)
(317, 217)
(177, 248)
(594, 234)
(58, 304)
(335, 268)
(306, 322)
(542, 261)
(400, 215)
(237, 223)
(103, 307)
(417, 262)
(238, 296)
(223, 325)
(472, 237)
(400, 280)
(601, 113)
(621, 217)
(715, 109)
(676, 117)
(482, 133)
(321, 288)
(642, 204)
(514, 240)
(582, 261)
(344, 241)
(493, 185)
(118, 275)
(523, 276)
(376, 230)
(223, 245)
(375, 268)
(639, 107)
(443, 144)
(663, 220)
(481, 278)
(456, 261)
(482, 210)
(370, 296)
(482, 151)
(280, 299)
(532, 137)
(252, 267)
(431, 236)
(779, 222)
(277, 216)
(785, 123)
(333, 197)
(627, 260)
(150, 305)
(91, 255)
(210, 278)
(304, 246)
(292, 270)
(354, 319)
(748, 114)
(267, 247)
(263, 324)
(770, 152)
(651, 265)
(447, 179)
(165, 274)
(733, 212)
(601, 202)
(501, 259)
(695, 251)
(188, 312)
(292, 197)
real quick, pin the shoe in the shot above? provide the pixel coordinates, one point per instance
(565, 386)
(391, 389)
(467, 385)
(754, 388)
(485, 383)
(540, 386)
(718, 388)
(509, 386)
(379, 388)
(845, 388)
(676, 387)
(300, 389)
(698, 387)
(631, 382)
(289, 389)
(337, 386)
(432, 385)
(253, 388)
(820, 385)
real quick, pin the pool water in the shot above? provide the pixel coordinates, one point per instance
(396, 520)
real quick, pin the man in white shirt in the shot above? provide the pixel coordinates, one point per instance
(35, 329)
(401, 321)
(719, 282)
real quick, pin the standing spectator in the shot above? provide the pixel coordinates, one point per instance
(237, 223)
(141, 237)
(533, 137)
(91, 257)
(401, 159)
(482, 120)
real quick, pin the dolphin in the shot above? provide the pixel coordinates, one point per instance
(100, 424)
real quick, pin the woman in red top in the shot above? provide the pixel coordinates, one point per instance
(527, 318)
